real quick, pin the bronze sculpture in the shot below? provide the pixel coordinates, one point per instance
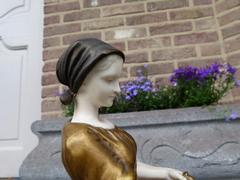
(94, 148)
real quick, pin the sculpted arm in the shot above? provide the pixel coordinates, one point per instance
(149, 171)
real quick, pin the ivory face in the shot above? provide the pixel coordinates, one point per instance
(101, 86)
(99, 89)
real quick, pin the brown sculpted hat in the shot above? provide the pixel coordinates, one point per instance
(78, 60)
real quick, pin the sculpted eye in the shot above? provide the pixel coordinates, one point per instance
(109, 80)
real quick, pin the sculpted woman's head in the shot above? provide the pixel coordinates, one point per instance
(91, 69)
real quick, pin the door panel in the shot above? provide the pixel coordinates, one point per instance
(20, 80)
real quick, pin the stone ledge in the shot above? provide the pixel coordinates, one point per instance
(192, 139)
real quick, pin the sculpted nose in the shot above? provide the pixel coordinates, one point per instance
(117, 88)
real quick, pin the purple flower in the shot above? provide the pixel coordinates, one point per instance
(140, 78)
(185, 73)
(237, 82)
(200, 75)
(132, 88)
(146, 89)
(234, 115)
(135, 92)
(204, 73)
(231, 69)
(148, 83)
(127, 97)
(215, 67)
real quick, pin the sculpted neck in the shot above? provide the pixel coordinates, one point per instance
(85, 111)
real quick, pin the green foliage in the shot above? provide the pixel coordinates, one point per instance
(190, 86)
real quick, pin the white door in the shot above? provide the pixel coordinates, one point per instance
(20, 80)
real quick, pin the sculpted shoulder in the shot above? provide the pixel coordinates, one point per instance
(73, 129)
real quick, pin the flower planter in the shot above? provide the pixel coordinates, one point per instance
(192, 139)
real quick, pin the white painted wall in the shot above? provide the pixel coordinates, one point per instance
(21, 34)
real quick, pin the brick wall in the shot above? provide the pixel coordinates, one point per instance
(165, 34)
(228, 16)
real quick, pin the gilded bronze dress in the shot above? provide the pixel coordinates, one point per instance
(96, 153)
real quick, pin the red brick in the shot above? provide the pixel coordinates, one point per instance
(154, 69)
(49, 66)
(229, 17)
(90, 3)
(68, 39)
(171, 54)
(235, 92)
(231, 31)
(52, 115)
(118, 45)
(51, 105)
(63, 1)
(123, 9)
(147, 18)
(51, 20)
(196, 38)
(48, 79)
(52, 53)
(51, 1)
(206, 23)
(202, 2)
(82, 15)
(166, 4)
(191, 13)
(162, 81)
(134, 0)
(138, 57)
(125, 33)
(238, 73)
(62, 29)
(170, 28)
(226, 99)
(210, 49)
(50, 91)
(200, 62)
(61, 7)
(50, 42)
(234, 59)
(157, 42)
(222, 6)
(232, 45)
(124, 72)
(103, 23)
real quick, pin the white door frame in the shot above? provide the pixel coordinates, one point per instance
(21, 36)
